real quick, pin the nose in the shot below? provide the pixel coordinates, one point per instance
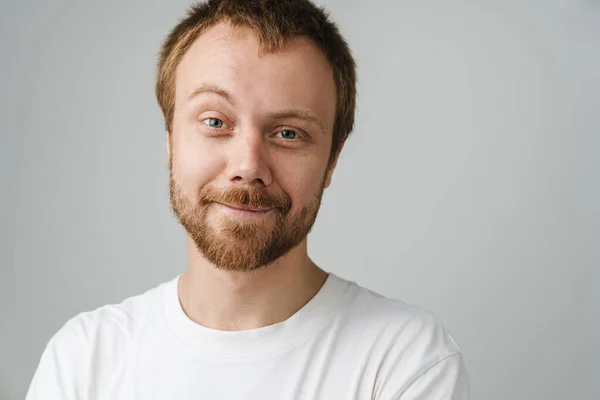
(248, 163)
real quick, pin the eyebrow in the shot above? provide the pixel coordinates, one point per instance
(211, 88)
(299, 114)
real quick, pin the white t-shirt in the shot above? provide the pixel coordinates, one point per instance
(347, 342)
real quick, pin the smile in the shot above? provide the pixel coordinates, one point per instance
(244, 211)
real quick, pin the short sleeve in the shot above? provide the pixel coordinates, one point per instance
(446, 380)
(61, 370)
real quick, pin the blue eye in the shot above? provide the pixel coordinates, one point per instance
(288, 134)
(214, 122)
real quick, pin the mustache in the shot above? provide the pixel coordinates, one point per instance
(250, 197)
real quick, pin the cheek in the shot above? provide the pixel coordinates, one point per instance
(194, 165)
(301, 182)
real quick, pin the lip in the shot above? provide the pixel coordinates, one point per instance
(244, 213)
(246, 208)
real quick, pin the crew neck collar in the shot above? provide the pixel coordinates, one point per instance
(259, 342)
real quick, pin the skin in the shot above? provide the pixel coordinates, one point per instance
(224, 146)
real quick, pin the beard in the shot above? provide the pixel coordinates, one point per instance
(240, 244)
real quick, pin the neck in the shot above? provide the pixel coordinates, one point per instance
(234, 300)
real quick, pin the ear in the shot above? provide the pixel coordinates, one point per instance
(332, 167)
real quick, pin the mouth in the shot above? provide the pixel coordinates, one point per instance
(245, 208)
(243, 212)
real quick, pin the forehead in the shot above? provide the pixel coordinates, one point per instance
(232, 59)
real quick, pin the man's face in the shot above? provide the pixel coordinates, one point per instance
(250, 144)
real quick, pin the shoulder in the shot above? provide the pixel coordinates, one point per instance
(91, 346)
(120, 320)
(403, 322)
(407, 342)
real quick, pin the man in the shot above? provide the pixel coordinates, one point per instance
(258, 99)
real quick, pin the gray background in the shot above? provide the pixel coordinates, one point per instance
(470, 186)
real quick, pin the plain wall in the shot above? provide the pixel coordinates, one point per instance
(470, 186)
